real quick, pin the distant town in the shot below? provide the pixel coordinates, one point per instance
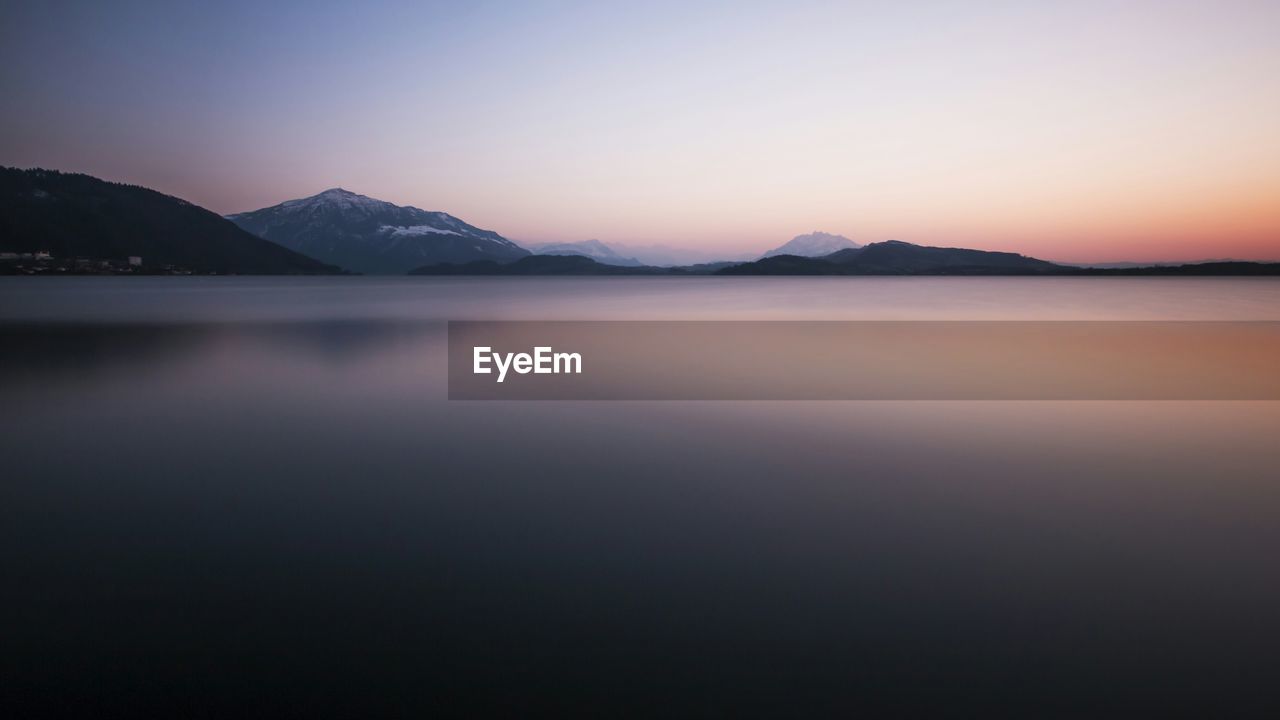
(44, 263)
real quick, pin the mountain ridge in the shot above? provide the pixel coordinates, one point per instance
(374, 236)
(78, 215)
(888, 258)
(594, 249)
(895, 257)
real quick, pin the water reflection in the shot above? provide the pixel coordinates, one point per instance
(206, 517)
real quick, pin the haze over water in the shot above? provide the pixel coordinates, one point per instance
(220, 485)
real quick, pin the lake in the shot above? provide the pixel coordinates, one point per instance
(225, 495)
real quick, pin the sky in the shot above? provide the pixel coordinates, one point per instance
(1081, 131)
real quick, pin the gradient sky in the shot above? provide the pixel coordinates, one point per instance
(1081, 131)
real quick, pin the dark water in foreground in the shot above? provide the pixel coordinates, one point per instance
(234, 496)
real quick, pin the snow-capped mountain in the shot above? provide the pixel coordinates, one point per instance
(366, 235)
(815, 244)
(669, 256)
(593, 249)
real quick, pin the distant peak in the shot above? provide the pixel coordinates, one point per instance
(336, 197)
(815, 244)
(338, 192)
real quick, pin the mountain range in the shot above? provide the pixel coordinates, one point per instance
(540, 265)
(814, 244)
(891, 257)
(593, 249)
(72, 215)
(77, 216)
(366, 235)
(661, 255)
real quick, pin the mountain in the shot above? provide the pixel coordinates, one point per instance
(593, 249)
(561, 265)
(371, 236)
(815, 244)
(894, 257)
(885, 258)
(537, 265)
(889, 258)
(72, 215)
(669, 256)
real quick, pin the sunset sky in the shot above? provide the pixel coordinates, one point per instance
(1081, 131)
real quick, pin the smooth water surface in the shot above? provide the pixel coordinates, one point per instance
(225, 494)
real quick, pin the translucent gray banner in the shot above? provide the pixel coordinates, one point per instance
(823, 360)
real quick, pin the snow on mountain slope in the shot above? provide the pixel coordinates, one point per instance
(367, 235)
(416, 230)
(815, 244)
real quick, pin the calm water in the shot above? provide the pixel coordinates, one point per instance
(229, 494)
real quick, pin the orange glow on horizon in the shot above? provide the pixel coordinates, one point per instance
(1085, 131)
